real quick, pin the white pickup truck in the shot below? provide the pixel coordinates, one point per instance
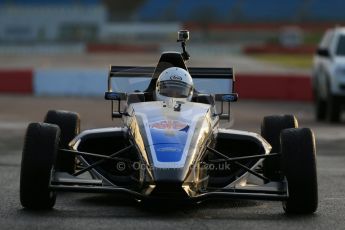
(329, 75)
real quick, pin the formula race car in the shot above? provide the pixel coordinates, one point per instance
(171, 146)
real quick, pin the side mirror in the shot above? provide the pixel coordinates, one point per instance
(231, 97)
(227, 98)
(114, 96)
(323, 52)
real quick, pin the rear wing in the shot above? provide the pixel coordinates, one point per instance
(222, 79)
(218, 82)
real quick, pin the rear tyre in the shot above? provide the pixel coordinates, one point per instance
(271, 128)
(299, 168)
(40, 147)
(69, 124)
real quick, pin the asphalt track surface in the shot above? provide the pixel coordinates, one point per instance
(95, 211)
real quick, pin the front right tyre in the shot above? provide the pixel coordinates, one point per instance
(299, 169)
(40, 147)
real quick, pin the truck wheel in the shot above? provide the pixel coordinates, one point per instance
(69, 124)
(299, 168)
(320, 108)
(271, 128)
(333, 109)
(40, 147)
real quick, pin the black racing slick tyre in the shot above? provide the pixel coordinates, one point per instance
(271, 128)
(69, 124)
(40, 148)
(299, 168)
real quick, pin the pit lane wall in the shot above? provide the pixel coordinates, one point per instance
(93, 82)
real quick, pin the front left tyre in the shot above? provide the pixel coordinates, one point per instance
(299, 168)
(40, 147)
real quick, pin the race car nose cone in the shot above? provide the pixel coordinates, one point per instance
(167, 175)
(169, 183)
(168, 153)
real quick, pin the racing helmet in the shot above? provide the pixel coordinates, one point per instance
(174, 82)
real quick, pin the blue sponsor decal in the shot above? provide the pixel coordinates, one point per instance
(168, 152)
(169, 143)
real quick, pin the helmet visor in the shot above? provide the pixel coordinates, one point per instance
(177, 89)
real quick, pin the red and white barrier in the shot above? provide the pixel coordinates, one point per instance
(93, 82)
(274, 86)
(70, 82)
(16, 81)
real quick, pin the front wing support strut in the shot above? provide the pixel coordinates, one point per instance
(236, 159)
(88, 168)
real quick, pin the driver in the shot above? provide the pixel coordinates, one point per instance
(176, 83)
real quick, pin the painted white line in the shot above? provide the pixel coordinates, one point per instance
(338, 170)
(13, 125)
(329, 133)
(334, 198)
